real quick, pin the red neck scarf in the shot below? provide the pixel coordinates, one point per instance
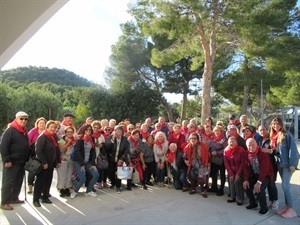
(51, 137)
(88, 138)
(250, 136)
(274, 139)
(67, 125)
(171, 157)
(159, 144)
(251, 155)
(218, 138)
(135, 142)
(207, 136)
(230, 151)
(163, 125)
(73, 140)
(204, 153)
(145, 135)
(96, 135)
(176, 135)
(105, 136)
(17, 126)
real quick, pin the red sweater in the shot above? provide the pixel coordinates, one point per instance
(234, 164)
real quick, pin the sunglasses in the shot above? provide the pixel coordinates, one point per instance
(24, 119)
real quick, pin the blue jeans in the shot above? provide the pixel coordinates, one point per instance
(82, 176)
(160, 174)
(286, 176)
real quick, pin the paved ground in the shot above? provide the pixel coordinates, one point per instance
(155, 206)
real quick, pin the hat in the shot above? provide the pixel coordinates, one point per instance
(232, 117)
(21, 113)
(69, 115)
(231, 127)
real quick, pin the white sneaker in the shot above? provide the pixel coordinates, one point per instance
(73, 194)
(92, 194)
(275, 205)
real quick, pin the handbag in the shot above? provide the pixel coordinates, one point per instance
(124, 172)
(33, 165)
(102, 162)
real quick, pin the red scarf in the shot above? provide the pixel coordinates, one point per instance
(207, 136)
(51, 137)
(163, 125)
(67, 125)
(176, 135)
(135, 143)
(171, 157)
(229, 152)
(105, 136)
(160, 144)
(145, 135)
(274, 139)
(251, 155)
(96, 135)
(250, 136)
(17, 126)
(204, 153)
(218, 138)
(73, 140)
(88, 138)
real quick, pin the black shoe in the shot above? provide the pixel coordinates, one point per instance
(67, 192)
(239, 203)
(93, 189)
(220, 192)
(62, 193)
(231, 200)
(149, 183)
(145, 187)
(263, 212)
(47, 200)
(37, 203)
(212, 189)
(112, 187)
(252, 206)
(133, 185)
(129, 188)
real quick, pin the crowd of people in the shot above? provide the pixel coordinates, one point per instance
(191, 157)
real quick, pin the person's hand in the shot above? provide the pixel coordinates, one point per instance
(45, 166)
(257, 187)
(94, 168)
(237, 178)
(120, 163)
(214, 153)
(246, 185)
(58, 165)
(144, 167)
(8, 164)
(292, 169)
(83, 168)
(187, 162)
(267, 150)
(231, 178)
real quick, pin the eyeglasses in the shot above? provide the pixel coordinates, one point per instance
(24, 119)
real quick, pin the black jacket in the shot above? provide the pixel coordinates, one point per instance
(14, 147)
(79, 153)
(46, 151)
(111, 148)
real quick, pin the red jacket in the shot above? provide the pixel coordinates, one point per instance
(265, 167)
(234, 163)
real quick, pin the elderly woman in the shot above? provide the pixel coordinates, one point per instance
(284, 146)
(135, 150)
(64, 172)
(160, 149)
(39, 127)
(48, 153)
(216, 149)
(234, 157)
(196, 157)
(177, 137)
(84, 160)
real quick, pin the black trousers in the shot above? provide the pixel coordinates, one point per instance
(43, 183)
(149, 171)
(12, 179)
(261, 195)
(215, 169)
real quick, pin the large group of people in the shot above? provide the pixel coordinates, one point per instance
(189, 156)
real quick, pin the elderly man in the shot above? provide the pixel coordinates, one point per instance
(15, 151)
(117, 148)
(67, 122)
(232, 132)
(258, 173)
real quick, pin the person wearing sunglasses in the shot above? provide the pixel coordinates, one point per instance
(15, 151)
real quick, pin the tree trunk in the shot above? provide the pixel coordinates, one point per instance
(206, 89)
(184, 101)
(168, 109)
(245, 99)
